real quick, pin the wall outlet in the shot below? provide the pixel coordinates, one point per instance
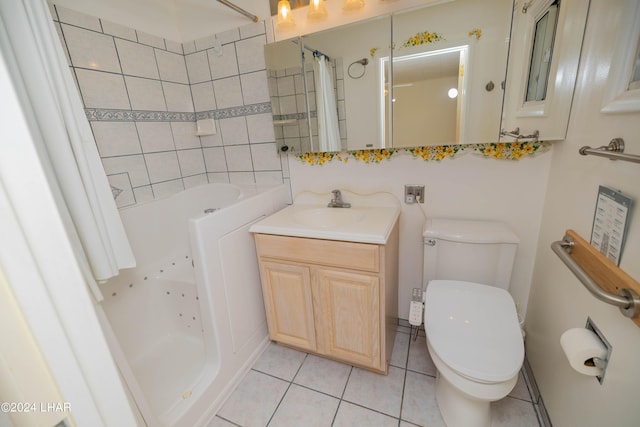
(413, 194)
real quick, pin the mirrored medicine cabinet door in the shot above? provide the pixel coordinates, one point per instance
(436, 79)
(543, 67)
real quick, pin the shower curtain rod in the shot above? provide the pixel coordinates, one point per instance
(315, 52)
(240, 10)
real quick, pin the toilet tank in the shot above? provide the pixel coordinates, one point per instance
(473, 251)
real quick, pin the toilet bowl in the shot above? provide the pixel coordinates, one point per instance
(471, 323)
(473, 336)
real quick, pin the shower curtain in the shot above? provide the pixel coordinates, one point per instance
(63, 139)
(326, 107)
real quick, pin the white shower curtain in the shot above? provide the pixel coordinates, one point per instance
(326, 107)
(63, 139)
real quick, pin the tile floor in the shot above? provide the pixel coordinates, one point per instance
(291, 388)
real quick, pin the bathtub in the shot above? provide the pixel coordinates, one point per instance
(188, 322)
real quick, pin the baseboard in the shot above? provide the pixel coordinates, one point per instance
(536, 396)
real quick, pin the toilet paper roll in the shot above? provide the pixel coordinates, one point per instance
(582, 345)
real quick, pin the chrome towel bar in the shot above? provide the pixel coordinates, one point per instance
(518, 136)
(627, 300)
(613, 151)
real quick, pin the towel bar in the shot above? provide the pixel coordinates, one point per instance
(613, 151)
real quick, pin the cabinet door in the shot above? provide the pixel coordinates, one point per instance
(288, 303)
(347, 310)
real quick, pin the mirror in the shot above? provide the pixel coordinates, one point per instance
(465, 49)
(357, 76)
(458, 47)
(288, 95)
(428, 97)
(543, 67)
(352, 78)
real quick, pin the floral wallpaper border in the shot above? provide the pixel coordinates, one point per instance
(496, 150)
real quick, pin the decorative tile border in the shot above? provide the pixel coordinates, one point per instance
(293, 116)
(496, 150)
(101, 114)
(242, 110)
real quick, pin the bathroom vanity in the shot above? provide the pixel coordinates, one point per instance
(330, 280)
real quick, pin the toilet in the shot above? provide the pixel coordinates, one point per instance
(471, 323)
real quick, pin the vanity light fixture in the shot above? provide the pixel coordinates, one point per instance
(317, 11)
(453, 93)
(352, 5)
(285, 20)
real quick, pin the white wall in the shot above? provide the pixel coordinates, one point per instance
(558, 300)
(469, 186)
(423, 114)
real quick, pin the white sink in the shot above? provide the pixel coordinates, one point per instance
(328, 217)
(370, 219)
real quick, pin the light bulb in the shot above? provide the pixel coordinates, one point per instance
(317, 11)
(453, 92)
(285, 20)
(352, 5)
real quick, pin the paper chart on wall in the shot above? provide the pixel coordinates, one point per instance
(610, 223)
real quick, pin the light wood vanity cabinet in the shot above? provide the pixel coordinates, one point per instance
(333, 298)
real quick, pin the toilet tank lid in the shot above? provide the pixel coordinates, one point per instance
(468, 231)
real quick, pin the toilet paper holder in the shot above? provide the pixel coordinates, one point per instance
(601, 363)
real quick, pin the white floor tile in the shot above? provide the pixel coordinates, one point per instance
(252, 404)
(350, 415)
(219, 422)
(419, 357)
(510, 412)
(378, 392)
(324, 375)
(400, 350)
(304, 407)
(404, 329)
(280, 361)
(419, 405)
(520, 391)
(315, 385)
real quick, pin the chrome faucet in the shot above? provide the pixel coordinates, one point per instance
(336, 201)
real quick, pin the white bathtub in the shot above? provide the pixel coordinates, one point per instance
(188, 322)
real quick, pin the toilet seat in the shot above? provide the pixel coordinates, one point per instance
(474, 329)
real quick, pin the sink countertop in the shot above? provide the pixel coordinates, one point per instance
(374, 224)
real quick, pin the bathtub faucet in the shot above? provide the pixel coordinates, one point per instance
(336, 201)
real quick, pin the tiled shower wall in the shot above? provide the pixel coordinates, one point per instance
(143, 95)
(287, 89)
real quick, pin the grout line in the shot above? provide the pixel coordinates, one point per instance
(288, 388)
(404, 385)
(229, 421)
(370, 409)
